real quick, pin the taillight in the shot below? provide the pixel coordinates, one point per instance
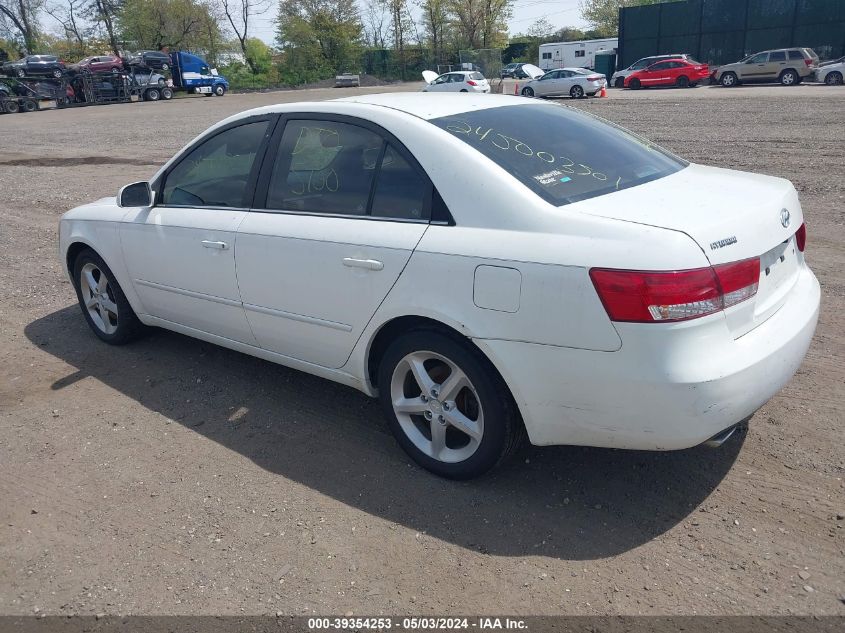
(471, 82)
(808, 62)
(678, 295)
(593, 77)
(801, 237)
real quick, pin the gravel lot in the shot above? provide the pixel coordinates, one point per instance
(174, 477)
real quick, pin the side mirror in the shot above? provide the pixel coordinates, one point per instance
(138, 194)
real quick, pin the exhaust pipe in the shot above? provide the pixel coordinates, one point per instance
(720, 438)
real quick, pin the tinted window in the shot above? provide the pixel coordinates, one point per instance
(561, 154)
(777, 56)
(759, 58)
(579, 53)
(547, 55)
(401, 192)
(324, 167)
(660, 66)
(795, 55)
(216, 173)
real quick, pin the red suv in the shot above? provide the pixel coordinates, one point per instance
(102, 64)
(683, 73)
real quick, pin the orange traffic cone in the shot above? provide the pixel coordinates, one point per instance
(603, 93)
(516, 88)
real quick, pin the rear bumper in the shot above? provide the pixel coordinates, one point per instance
(667, 388)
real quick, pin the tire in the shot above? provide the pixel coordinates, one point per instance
(114, 70)
(682, 82)
(21, 73)
(528, 92)
(165, 66)
(57, 73)
(789, 78)
(635, 84)
(30, 106)
(152, 94)
(166, 94)
(833, 79)
(464, 90)
(729, 80)
(219, 91)
(619, 83)
(480, 402)
(576, 92)
(119, 325)
(12, 107)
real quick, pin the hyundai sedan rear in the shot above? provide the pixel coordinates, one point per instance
(489, 267)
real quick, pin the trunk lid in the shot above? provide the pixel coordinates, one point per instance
(731, 216)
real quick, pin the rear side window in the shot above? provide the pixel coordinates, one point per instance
(561, 154)
(795, 55)
(216, 173)
(401, 192)
(778, 56)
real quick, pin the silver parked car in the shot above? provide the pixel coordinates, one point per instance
(565, 82)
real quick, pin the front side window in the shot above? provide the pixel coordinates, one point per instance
(759, 58)
(560, 153)
(216, 173)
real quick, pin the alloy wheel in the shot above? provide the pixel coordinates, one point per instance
(99, 298)
(437, 406)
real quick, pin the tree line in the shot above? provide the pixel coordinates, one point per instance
(314, 38)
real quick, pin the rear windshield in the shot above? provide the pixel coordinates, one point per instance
(476, 76)
(560, 153)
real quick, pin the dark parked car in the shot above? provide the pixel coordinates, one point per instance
(518, 71)
(101, 64)
(151, 59)
(35, 65)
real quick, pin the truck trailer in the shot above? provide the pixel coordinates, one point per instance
(575, 54)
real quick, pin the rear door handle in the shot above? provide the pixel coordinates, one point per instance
(222, 246)
(367, 264)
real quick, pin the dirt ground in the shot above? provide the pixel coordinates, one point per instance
(174, 477)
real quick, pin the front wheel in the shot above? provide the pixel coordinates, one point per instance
(729, 80)
(103, 303)
(21, 73)
(527, 92)
(57, 73)
(833, 79)
(219, 91)
(576, 92)
(789, 78)
(446, 405)
(619, 83)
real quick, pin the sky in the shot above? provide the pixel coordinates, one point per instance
(559, 12)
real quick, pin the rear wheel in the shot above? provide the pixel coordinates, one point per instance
(634, 84)
(464, 90)
(103, 303)
(166, 94)
(527, 92)
(446, 406)
(729, 80)
(682, 81)
(576, 92)
(152, 94)
(57, 73)
(12, 107)
(20, 72)
(30, 106)
(789, 78)
(833, 79)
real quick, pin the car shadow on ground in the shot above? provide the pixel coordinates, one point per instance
(570, 503)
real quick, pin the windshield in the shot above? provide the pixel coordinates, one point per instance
(560, 153)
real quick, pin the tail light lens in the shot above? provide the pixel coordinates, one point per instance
(471, 82)
(801, 237)
(678, 295)
(593, 77)
(808, 62)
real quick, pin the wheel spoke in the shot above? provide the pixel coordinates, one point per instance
(409, 405)
(463, 423)
(109, 305)
(104, 315)
(89, 279)
(438, 439)
(90, 302)
(424, 381)
(450, 388)
(103, 284)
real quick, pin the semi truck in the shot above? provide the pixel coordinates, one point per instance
(575, 54)
(192, 74)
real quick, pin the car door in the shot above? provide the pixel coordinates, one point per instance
(543, 86)
(754, 67)
(343, 207)
(651, 76)
(440, 84)
(775, 65)
(180, 253)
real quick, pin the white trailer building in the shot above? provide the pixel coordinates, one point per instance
(574, 54)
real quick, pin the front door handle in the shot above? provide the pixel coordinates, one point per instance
(222, 246)
(367, 264)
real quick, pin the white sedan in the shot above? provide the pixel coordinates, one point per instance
(832, 73)
(489, 267)
(566, 82)
(457, 81)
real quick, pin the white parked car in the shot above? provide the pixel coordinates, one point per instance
(566, 82)
(457, 81)
(831, 73)
(488, 267)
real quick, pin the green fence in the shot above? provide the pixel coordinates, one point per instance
(723, 31)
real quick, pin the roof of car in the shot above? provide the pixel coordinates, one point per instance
(427, 105)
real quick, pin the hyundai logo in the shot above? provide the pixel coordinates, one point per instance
(784, 217)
